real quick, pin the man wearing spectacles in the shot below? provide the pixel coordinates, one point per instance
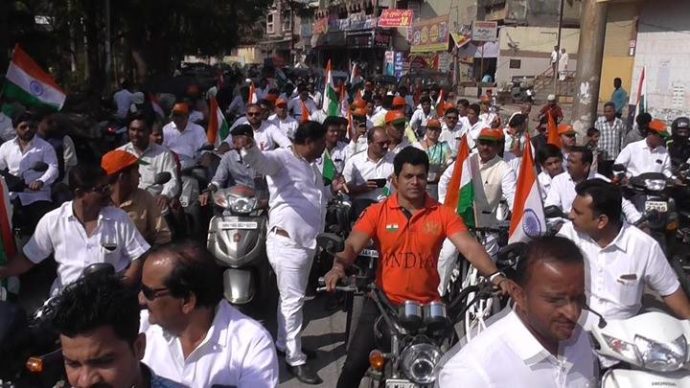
(266, 134)
(452, 129)
(364, 170)
(193, 335)
(395, 127)
(81, 232)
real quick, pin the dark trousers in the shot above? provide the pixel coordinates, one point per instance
(26, 217)
(363, 342)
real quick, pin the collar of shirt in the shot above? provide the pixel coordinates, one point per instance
(215, 336)
(30, 144)
(103, 214)
(523, 343)
(394, 203)
(488, 163)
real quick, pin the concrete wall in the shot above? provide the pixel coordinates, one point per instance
(533, 49)
(621, 28)
(662, 46)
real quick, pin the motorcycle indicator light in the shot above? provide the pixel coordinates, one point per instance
(34, 365)
(662, 357)
(377, 360)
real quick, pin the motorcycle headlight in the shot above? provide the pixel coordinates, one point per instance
(241, 205)
(655, 184)
(627, 350)
(662, 357)
(419, 362)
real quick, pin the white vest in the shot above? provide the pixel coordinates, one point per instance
(486, 179)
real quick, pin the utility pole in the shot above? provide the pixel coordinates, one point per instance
(589, 58)
(558, 56)
(108, 53)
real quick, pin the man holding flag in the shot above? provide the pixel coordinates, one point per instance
(491, 179)
(409, 225)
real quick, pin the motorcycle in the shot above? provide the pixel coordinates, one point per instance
(651, 348)
(193, 177)
(18, 184)
(418, 334)
(30, 347)
(237, 239)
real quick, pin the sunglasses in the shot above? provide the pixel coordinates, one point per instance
(253, 114)
(153, 293)
(569, 135)
(451, 117)
(102, 189)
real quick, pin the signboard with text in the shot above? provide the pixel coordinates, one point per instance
(484, 31)
(394, 18)
(430, 35)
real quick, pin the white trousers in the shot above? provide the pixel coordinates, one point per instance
(449, 255)
(291, 264)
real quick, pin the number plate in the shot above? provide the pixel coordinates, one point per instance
(400, 383)
(660, 206)
(369, 253)
(224, 225)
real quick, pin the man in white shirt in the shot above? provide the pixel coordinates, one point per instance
(452, 130)
(193, 335)
(421, 116)
(183, 137)
(285, 123)
(301, 103)
(123, 100)
(18, 156)
(492, 180)
(335, 149)
(156, 158)
(238, 104)
(537, 342)
(621, 260)
(266, 134)
(81, 232)
(358, 130)
(363, 169)
(315, 95)
(649, 154)
(297, 204)
(476, 125)
(550, 159)
(578, 169)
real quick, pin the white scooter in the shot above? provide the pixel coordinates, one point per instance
(653, 348)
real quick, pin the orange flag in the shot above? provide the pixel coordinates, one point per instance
(552, 131)
(305, 113)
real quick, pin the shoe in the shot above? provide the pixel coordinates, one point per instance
(311, 354)
(305, 374)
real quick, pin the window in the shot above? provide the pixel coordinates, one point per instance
(286, 18)
(515, 63)
(269, 23)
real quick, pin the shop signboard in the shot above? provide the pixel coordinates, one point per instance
(394, 18)
(484, 31)
(430, 35)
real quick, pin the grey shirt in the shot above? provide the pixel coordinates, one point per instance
(232, 171)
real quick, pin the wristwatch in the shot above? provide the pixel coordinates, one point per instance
(495, 275)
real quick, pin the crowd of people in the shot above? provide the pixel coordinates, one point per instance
(387, 146)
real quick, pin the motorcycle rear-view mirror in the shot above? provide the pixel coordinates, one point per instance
(99, 269)
(331, 243)
(40, 166)
(553, 212)
(206, 147)
(619, 168)
(162, 178)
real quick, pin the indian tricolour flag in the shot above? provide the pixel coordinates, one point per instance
(331, 105)
(460, 196)
(7, 245)
(27, 83)
(528, 210)
(218, 128)
(641, 103)
(252, 98)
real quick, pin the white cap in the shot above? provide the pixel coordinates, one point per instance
(551, 97)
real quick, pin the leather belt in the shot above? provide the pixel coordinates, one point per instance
(281, 232)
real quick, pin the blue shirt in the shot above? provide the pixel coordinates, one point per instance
(619, 98)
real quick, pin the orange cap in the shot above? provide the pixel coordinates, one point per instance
(659, 127)
(271, 98)
(564, 129)
(281, 102)
(443, 107)
(491, 134)
(359, 112)
(399, 101)
(181, 107)
(433, 123)
(116, 161)
(395, 116)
